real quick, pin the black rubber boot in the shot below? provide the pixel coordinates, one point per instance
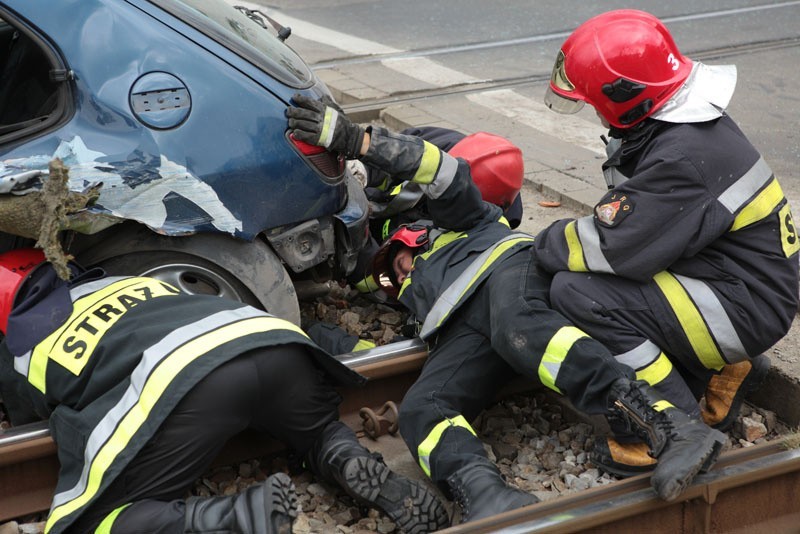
(727, 390)
(266, 508)
(480, 491)
(683, 446)
(339, 458)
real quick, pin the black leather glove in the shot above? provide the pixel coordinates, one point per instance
(324, 124)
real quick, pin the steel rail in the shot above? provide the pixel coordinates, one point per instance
(751, 486)
(29, 464)
(369, 108)
(748, 487)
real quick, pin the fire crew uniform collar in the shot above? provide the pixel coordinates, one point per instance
(703, 97)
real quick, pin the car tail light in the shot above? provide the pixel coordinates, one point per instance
(328, 163)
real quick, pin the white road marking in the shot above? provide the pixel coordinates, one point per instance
(506, 102)
(536, 115)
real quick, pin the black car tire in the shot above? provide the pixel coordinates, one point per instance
(215, 264)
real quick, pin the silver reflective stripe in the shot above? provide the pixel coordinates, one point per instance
(408, 197)
(23, 363)
(590, 242)
(151, 358)
(641, 356)
(444, 177)
(745, 187)
(450, 296)
(91, 287)
(719, 324)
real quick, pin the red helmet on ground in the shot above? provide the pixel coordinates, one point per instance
(15, 266)
(624, 63)
(413, 236)
(496, 166)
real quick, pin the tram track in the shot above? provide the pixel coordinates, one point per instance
(763, 476)
(367, 109)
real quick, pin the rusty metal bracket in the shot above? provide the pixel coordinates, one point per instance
(379, 423)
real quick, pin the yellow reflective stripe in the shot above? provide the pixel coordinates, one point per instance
(328, 124)
(367, 285)
(656, 371)
(108, 522)
(77, 328)
(555, 354)
(789, 239)
(500, 250)
(691, 321)
(425, 448)
(662, 405)
(442, 240)
(428, 165)
(759, 207)
(396, 189)
(385, 229)
(576, 262)
(161, 378)
(364, 344)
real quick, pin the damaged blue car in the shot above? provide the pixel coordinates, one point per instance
(174, 110)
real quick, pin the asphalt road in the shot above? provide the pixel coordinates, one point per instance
(397, 48)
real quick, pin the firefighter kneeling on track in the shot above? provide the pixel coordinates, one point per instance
(687, 269)
(474, 286)
(143, 385)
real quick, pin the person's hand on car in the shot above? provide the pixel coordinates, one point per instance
(324, 124)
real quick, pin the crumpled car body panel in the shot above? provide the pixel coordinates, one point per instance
(223, 165)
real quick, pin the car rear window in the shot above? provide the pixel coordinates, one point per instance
(243, 35)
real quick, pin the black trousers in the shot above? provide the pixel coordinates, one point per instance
(504, 329)
(624, 315)
(279, 391)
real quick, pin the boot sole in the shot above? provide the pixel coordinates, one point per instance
(712, 446)
(409, 503)
(281, 501)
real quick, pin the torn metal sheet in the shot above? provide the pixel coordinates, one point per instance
(142, 187)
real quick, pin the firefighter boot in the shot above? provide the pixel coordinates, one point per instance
(727, 390)
(622, 459)
(480, 491)
(338, 457)
(266, 508)
(683, 446)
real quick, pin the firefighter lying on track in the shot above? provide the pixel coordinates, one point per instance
(143, 385)
(496, 167)
(473, 285)
(687, 270)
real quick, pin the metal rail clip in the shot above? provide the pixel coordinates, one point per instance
(376, 424)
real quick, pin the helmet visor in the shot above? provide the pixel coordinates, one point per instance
(560, 104)
(558, 79)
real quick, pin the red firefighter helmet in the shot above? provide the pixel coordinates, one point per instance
(496, 166)
(15, 266)
(413, 236)
(624, 63)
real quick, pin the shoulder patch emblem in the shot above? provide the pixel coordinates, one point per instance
(613, 209)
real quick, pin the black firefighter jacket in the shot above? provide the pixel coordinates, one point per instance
(107, 360)
(691, 202)
(468, 234)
